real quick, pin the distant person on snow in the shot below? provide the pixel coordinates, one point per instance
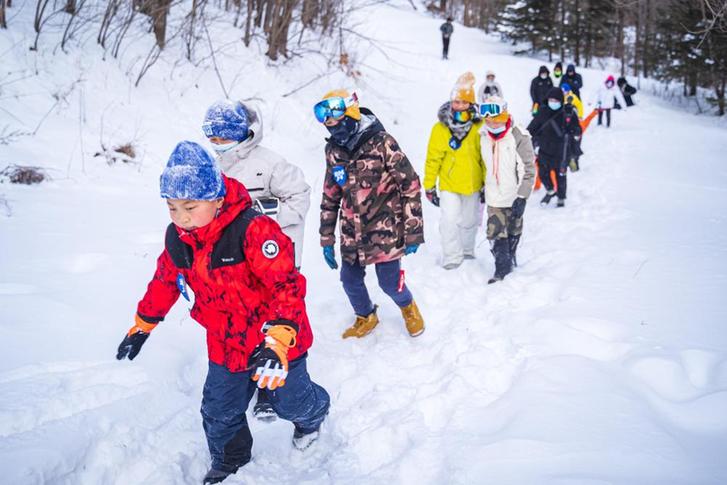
(374, 189)
(454, 160)
(507, 151)
(627, 90)
(573, 79)
(606, 98)
(249, 297)
(277, 188)
(557, 73)
(489, 88)
(553, 130)
(446, 28)
(539, 88)
(571, 99)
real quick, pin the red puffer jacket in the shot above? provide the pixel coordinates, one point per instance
(236, 291)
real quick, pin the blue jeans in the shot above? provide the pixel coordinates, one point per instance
(352, 277)
(226, 396)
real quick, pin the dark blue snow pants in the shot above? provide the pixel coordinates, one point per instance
(352, 277)
(226, 396)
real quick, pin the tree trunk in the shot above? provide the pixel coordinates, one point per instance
(3, 21)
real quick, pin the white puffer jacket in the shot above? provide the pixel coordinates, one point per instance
(606, 97)
(264, 173)
(510, 163)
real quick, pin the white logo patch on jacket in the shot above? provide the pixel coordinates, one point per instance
(270, 249)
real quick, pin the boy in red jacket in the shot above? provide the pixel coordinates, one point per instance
(248, 296)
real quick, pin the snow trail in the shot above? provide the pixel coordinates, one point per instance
(602, 359)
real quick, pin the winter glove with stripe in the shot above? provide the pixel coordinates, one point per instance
(269, 363)
(135, 338)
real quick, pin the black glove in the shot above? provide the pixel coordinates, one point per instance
(483, 200)
(432, 196)
(131, 345)
(518, 207)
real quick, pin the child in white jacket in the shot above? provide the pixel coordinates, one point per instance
(606, 98)
(277, 188)
(507, 152)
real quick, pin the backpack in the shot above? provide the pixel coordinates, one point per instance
(228, 250)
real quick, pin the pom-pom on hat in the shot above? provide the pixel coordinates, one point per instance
(228, 120)
(191, 174)
(464, 88)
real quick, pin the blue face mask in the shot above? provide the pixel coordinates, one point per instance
(554, 105)
(496, 131)
(224, 147)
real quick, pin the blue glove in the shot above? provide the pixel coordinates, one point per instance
(411, 249)
(330, 256)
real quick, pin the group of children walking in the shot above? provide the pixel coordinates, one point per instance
(236, 238)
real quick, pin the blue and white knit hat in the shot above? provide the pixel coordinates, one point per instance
(191, 174)
(228, 120)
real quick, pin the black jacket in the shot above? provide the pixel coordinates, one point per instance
(575, 81)
(549, 129)
(539, 88)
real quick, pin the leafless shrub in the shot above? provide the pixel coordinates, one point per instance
(125, 153)
(22, 174)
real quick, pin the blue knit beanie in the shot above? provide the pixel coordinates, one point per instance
(228, 120)
(191, 174)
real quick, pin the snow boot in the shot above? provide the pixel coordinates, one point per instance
(263, 410)
(514, 241)
(215, 476)
(449, 266)
(363, 325)
(503, 260)
(546, 200)
(302, 440)
(561, 202)
(413, 319)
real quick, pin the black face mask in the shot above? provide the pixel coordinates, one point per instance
(343, 131)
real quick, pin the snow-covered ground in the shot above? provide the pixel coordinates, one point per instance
(602, 360)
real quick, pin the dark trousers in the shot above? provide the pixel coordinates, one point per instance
(545, 166)
(445, 47)
(352, 277)
(226, 396)
(608, 116)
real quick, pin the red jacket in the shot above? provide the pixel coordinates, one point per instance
(233, 300)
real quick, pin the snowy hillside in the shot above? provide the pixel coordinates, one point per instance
(601, 360)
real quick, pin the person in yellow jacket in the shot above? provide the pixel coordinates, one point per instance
(454, 160)
(572, 98)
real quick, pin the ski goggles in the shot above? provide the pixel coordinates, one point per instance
(462, 116)
(492, 109)
(334, 107)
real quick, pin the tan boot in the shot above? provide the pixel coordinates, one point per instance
(363, 325)
(413, 319)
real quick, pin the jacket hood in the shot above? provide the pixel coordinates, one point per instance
(543, 69)
(571, 68)
(555, 93)
(236, 200)
(368, 126)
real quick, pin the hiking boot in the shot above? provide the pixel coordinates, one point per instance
(263, 411)
(561, 203)
(546, 200)
(302, 440)
(413, 319)
(363, 325)
(215, 476)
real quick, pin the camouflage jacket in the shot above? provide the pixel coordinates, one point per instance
(376, 191)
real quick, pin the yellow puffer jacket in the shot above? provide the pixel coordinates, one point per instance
(576, 102)
(461, 171)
